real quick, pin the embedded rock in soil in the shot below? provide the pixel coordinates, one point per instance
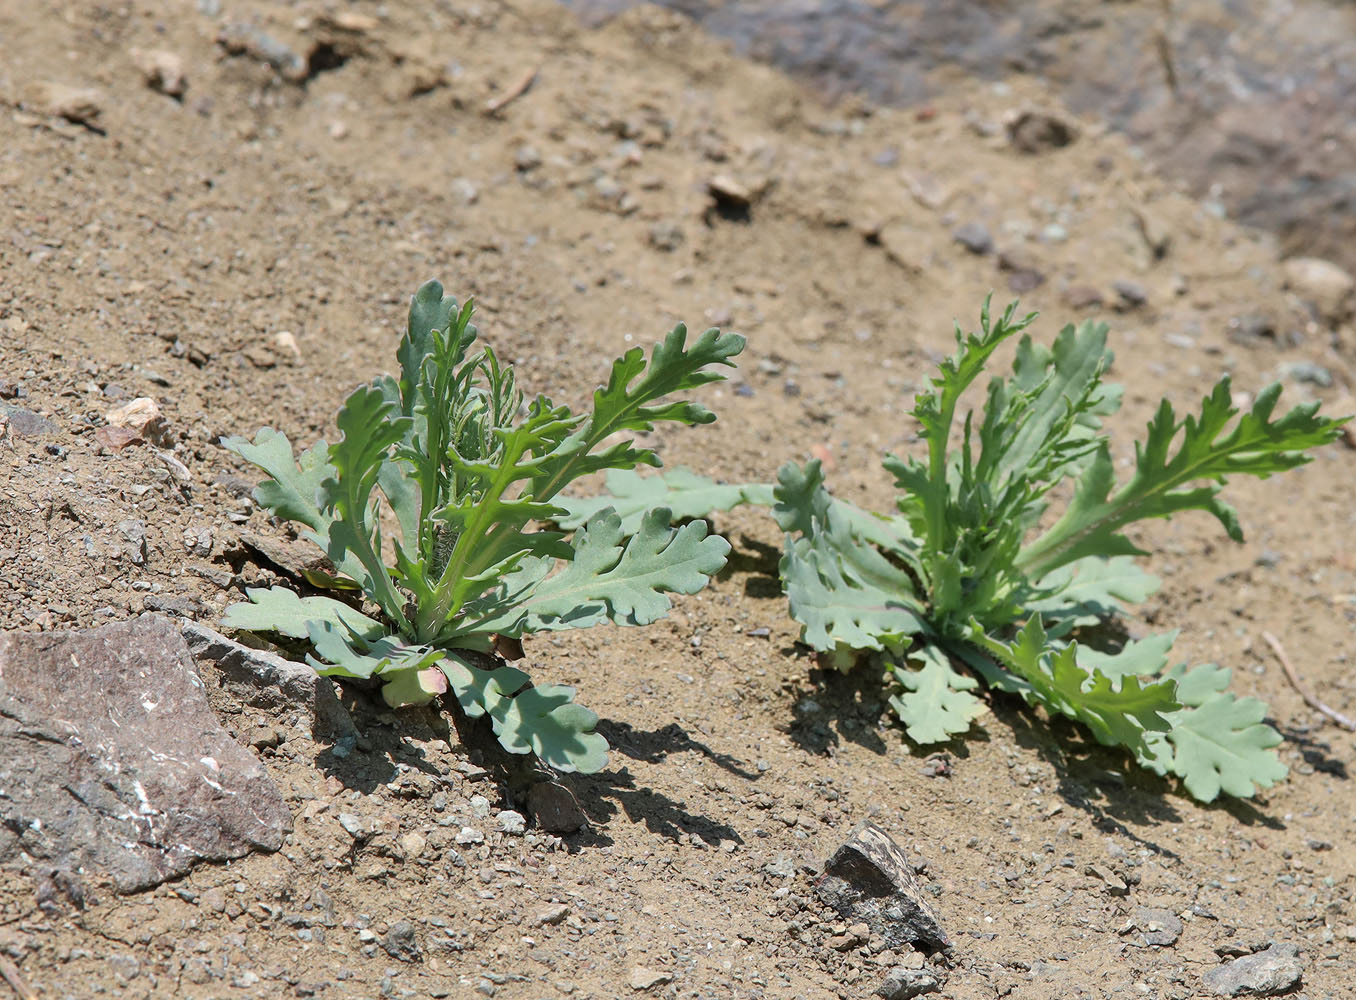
(1159, 926)
(1321, 283)
(869, 879)
(554, 808)
(903, 983)
(112, 761)
(1264, 974)
(268, 681)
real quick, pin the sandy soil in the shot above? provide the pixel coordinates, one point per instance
(163, 247)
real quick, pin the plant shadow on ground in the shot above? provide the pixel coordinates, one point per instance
(757, 562)
(385, 744)
(602, 795)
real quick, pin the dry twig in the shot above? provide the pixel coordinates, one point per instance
(496, 104)
(1309, 697)
(10, 972)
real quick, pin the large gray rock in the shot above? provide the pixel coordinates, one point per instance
(1263, 974)
(869, 879)
(113, 768)
(266, 680)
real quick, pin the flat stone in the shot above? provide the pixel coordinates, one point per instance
(1159, 926)
(26, 423)
(1263, 974)
(903, 983)
(265, 680)
(647, 979)
(869, 879)
(112, 762)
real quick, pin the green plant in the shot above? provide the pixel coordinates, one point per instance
(431, 501)
(962, 576)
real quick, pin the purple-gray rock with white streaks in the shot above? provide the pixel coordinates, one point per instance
(113, 768)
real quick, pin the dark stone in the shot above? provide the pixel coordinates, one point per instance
(399, 942)
(265, 680)
(1264, 974)
(112, 762)
(1037, 131)
(869, 879)
(554, 808)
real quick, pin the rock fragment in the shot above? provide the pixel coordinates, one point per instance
(1036, 131)
(82, 105)
(400, 942)
(903, 983)
(162, 71)
(647, 979)
(26, 423)
(265, 680)
(1159, 926)
(869, 879)
(133, 423)
(975, 237)
(1263, 974)
(1328, 289)
(113, 762)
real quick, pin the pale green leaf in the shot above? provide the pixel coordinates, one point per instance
(1218, 742)
(625, 580)
(936, 703)
(277, 609)
(681, 490)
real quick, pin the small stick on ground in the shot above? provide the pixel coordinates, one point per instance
(496, 104)
(1309, 697)
(10, 972)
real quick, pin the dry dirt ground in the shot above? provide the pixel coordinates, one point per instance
(323, 162)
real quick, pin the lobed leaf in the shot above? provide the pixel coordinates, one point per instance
(936, 703)
(1217, 741)
(687, 495)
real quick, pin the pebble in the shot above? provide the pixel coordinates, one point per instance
(975, 237)
(470, 835)
(1330, 290)
(647, 979)
(1265, 973)
(1082, 297)
(511, 822)
(666, 236)
(1130, 294)
(352, 824)
(1308, 372)
(1159, 926)
(465, 190)
(553, 914)
(162, 71)
(527, 158)
(137, 421)
(413, 843)
(1038, 131)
